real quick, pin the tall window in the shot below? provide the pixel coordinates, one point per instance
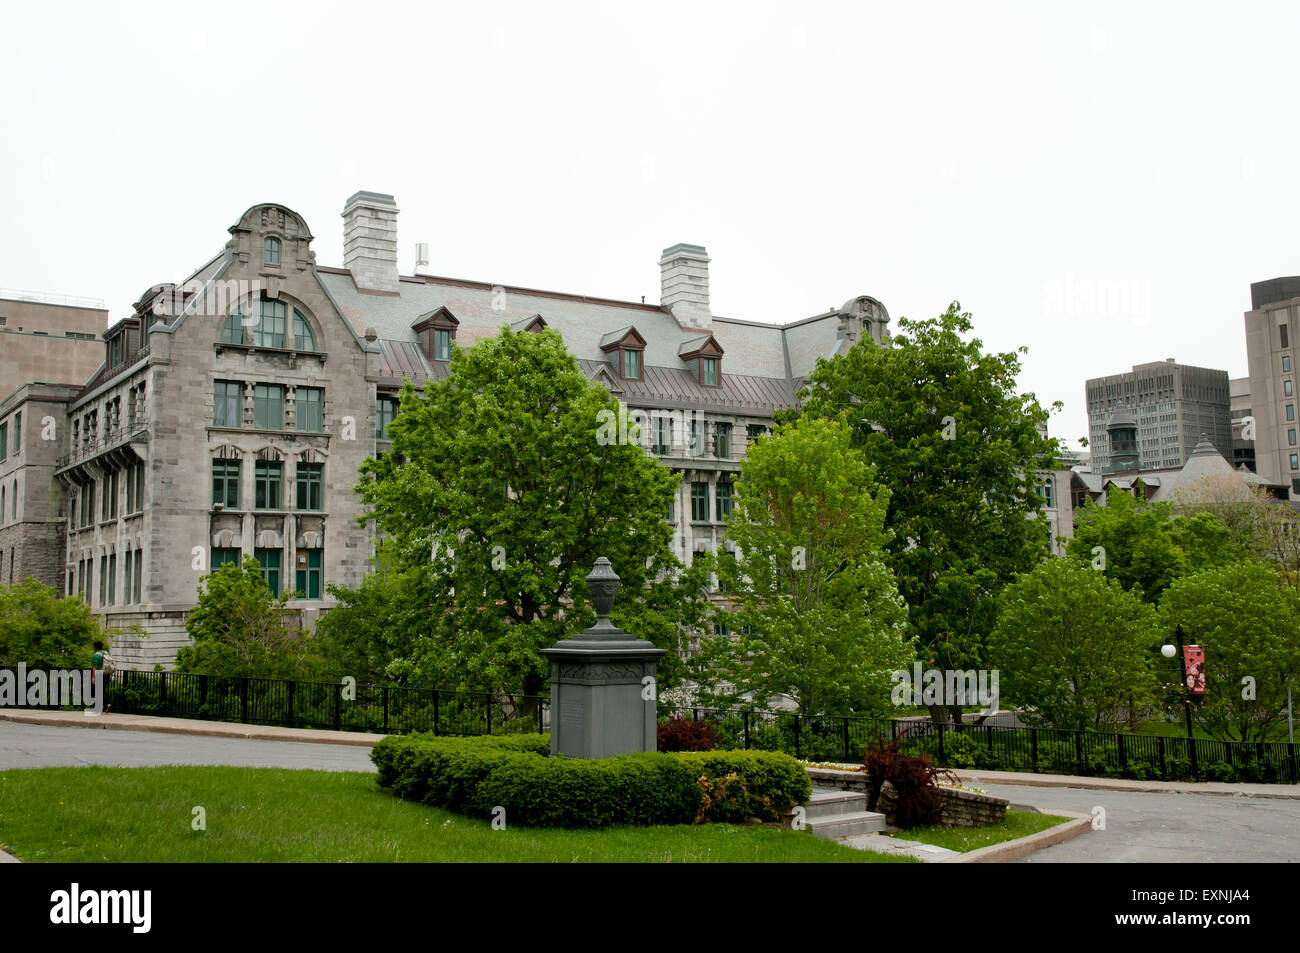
(1290, 437)
(632, 365)
(270, 562)
(722, 440)
(663, 442)
(271, 251)
(224, 555)
(1282, 333)
(4, 440)
(88, 504)
(311, 483)
(385, 412)
(723, 496)
(225, 483)
(139, 487)
(110, 496)
(18, 433)
(232, 329)
(1286, 388)
(441, 344)
(304, 339)
(1295, 462)
(267, 476)
(308, 573)
(709, 371)
(1286, 363)
(1290, 411)
(225, 403)
(754, 431)
(112, 580)
(699, 502)
(309, 403)
(139, 572)
(103, 580)
(268, 407)
(126, 576)
(270, 326)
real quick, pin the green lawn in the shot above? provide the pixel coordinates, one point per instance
(1017, 824)
(264, 814)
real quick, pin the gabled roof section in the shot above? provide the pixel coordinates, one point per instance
(628, 337)
(601, 375)
(533, 325)
(437, 318)
(703, 345)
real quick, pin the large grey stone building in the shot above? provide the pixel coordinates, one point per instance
(1271, 355)
(232, 410)
(1173, 405)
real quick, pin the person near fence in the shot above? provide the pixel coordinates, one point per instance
(104, 667)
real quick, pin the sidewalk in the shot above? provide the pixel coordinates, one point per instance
(188, 726)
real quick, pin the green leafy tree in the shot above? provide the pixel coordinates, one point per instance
(959, 448)
(1074, 646)
(42, 630)
(506, 481)
(817, 608)
(238, 629)
(1247, 618)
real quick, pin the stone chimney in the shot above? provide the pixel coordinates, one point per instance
(370, 240)
(684, 285)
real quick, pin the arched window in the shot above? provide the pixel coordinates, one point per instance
(271, 251)
(303, 338)
(232, 331)
(270, 329)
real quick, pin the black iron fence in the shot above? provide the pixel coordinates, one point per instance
(396, 710)
(342, 707)
(836, 738)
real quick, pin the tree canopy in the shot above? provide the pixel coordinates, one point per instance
(42, 630)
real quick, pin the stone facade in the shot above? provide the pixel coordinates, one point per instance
(1271, 353)
(49, 338)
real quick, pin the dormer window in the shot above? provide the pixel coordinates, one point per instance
(436, 331)
(625, 347)
(271, 251)
(703, 355)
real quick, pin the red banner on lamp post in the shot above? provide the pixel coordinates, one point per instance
(1194, 662)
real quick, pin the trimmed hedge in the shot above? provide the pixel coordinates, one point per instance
(474, 775)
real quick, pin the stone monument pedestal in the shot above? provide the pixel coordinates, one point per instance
(603, 694)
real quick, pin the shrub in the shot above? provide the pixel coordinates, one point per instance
(913, 779)
(474, 775)
(679, 734)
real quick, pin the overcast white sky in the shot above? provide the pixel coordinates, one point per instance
(1098, 182)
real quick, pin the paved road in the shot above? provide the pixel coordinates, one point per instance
(1168, 828)
(41, 746)
(1180, 828)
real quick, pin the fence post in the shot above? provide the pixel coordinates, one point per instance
(162, 692)
(1078, 751)
(243, 700)
(1164, 772)
(846, 738)
(746, 714)
(436, 696)
(797, 749)
(942, 759)
(1196, 768)
(541, 726)
(488, 709)
(1033, 748)
(291, 688)
(1123, 759)
(338, 706)
(1290, 750)
(385, 691)
(203, 690)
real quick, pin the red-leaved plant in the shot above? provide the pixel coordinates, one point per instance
(679, 734)
(913, 778)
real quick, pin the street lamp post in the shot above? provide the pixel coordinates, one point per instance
(1168, 651)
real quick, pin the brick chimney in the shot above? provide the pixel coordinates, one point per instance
(370, 240)
(684, 285)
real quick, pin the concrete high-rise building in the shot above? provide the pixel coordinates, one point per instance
(1173, 406)
(1270, 354)
(1243, 447)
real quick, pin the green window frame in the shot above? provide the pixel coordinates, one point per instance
(441, 344)
(268, 476)
(225, 483)
(270, 326)
(225, 403)
(699, 502)
(632, 365)
(663, 431)
(268, 406)
(18, 433)
(269, 560)
(4, 440)
(709, 371)
(722, 496)
(222, 556)
(271, 251)
(722, 440)
(139, 573)
(1286, 363)
(309, 404)
(304, 338)
(310, 478)
(386, 409)
(232, 329)
(1290, 411)
(308, 574)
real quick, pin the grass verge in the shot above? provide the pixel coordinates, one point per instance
(98, 814)
(963, 839)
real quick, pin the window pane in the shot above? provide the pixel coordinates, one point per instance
(310, 406)
(699, 502)
(724, 500)
(310, 485)
(268, 407)
(308, 576)
(441, 344)
(266, 485)
(385, 412)
(270, 326)
(221, 557)
(304, 339)
(271, 251)
(225, 483)
(1286, 363)
(225, 404)
(270, 562)
(1290, 411)
(632, 365)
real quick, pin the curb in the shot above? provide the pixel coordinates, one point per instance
(1023, 846)
(8, 858)
(227, 729)
(1286, 792)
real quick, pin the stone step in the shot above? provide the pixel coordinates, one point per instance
(830, 803)
(846, 825)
